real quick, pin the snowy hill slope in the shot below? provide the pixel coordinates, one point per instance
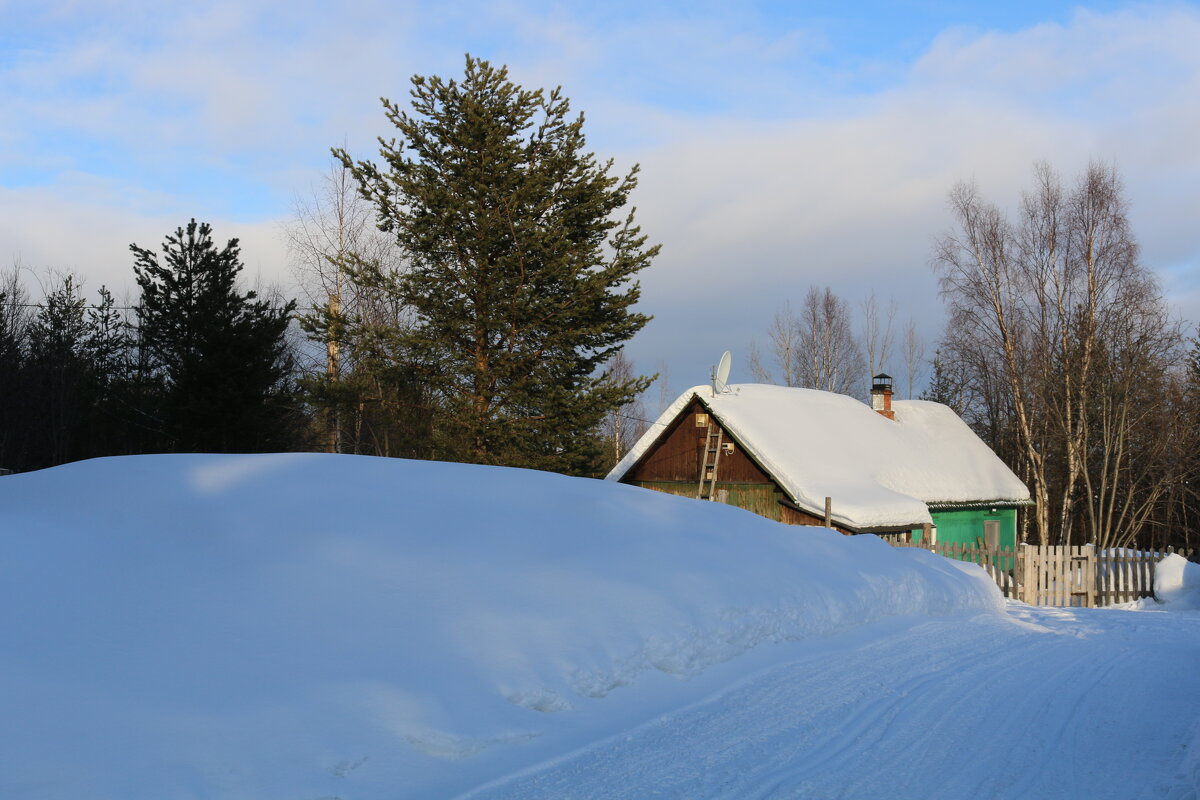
(312, 625)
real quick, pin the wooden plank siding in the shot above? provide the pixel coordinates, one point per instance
(677, 456)
(672, 465)
(794, 516)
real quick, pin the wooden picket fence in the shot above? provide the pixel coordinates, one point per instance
(1062, 576)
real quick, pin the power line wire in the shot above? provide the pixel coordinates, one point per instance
(122, 308)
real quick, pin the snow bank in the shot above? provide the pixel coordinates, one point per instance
(879, 472)
(1177, 582)
(299, 625)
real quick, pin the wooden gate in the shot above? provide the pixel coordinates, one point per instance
(1058, 576)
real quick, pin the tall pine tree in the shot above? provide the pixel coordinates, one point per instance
(218, 359)
(519, 267)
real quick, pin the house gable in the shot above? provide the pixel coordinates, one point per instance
(672, 464)
(676, 456)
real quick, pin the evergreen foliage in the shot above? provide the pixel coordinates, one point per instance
(62, 371)
(57, 334)
(519, 267)
(942, 387)
(58, 373)
(217, 360)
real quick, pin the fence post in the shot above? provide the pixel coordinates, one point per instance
(1033, 573)
(1021, 569)
(1090, 575)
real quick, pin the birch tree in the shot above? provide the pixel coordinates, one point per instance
(331, 233)
(784, 343)
(1061, 305)
(829, 356)
(912, 354)
(877, 335)
(814, 349)
(624, 425)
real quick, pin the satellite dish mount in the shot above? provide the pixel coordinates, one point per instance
(720, 375)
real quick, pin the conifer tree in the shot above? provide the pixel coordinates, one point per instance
(219, 358)
(519, 267)
(57, 373)
(942, 389)
(60, 380)
(58, 331)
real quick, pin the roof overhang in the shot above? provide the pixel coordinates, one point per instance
(975, 504)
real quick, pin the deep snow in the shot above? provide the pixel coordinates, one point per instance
(1177, 583)
(316, 626)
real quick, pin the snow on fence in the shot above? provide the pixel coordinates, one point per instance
(1062, 576)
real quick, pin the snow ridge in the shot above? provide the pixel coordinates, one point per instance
(267, 621)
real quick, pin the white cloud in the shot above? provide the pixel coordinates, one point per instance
(86, 230)
(760, 176)
(753, 212)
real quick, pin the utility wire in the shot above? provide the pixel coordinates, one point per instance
(122, 308)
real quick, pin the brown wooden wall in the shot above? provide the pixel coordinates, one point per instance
(673, 466)
(795, 517)
(677, 457)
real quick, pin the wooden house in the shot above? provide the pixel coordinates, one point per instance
(806, 457)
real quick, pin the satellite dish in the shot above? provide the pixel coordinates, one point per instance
(721, 374)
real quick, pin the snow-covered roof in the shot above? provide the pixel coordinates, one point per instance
(878, 472)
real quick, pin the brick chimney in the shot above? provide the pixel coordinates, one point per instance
(881, 395)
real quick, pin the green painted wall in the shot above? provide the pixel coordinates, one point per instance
(966, 526)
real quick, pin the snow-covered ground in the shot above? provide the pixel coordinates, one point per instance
(308, 626)
(1080, 703)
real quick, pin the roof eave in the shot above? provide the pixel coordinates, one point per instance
(969, 504)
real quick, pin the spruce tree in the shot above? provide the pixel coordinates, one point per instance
(942, 388)
(218, 359)
(63, 404)
(57, 375)
(519, 267)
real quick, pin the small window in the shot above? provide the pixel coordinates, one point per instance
(991, 533)
(727, 447)
(702, 420)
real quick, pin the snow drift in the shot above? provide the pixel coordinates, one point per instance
(1177, 582)
(298, 625)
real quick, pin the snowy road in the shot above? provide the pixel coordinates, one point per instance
(1046, 703)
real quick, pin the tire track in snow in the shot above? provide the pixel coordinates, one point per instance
(1046, 703)
(863, 724)
(911, 715)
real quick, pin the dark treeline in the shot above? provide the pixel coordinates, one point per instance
(194, 366)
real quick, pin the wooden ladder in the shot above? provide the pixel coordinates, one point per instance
(709, 460)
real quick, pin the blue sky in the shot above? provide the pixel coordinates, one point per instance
(782, 144)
